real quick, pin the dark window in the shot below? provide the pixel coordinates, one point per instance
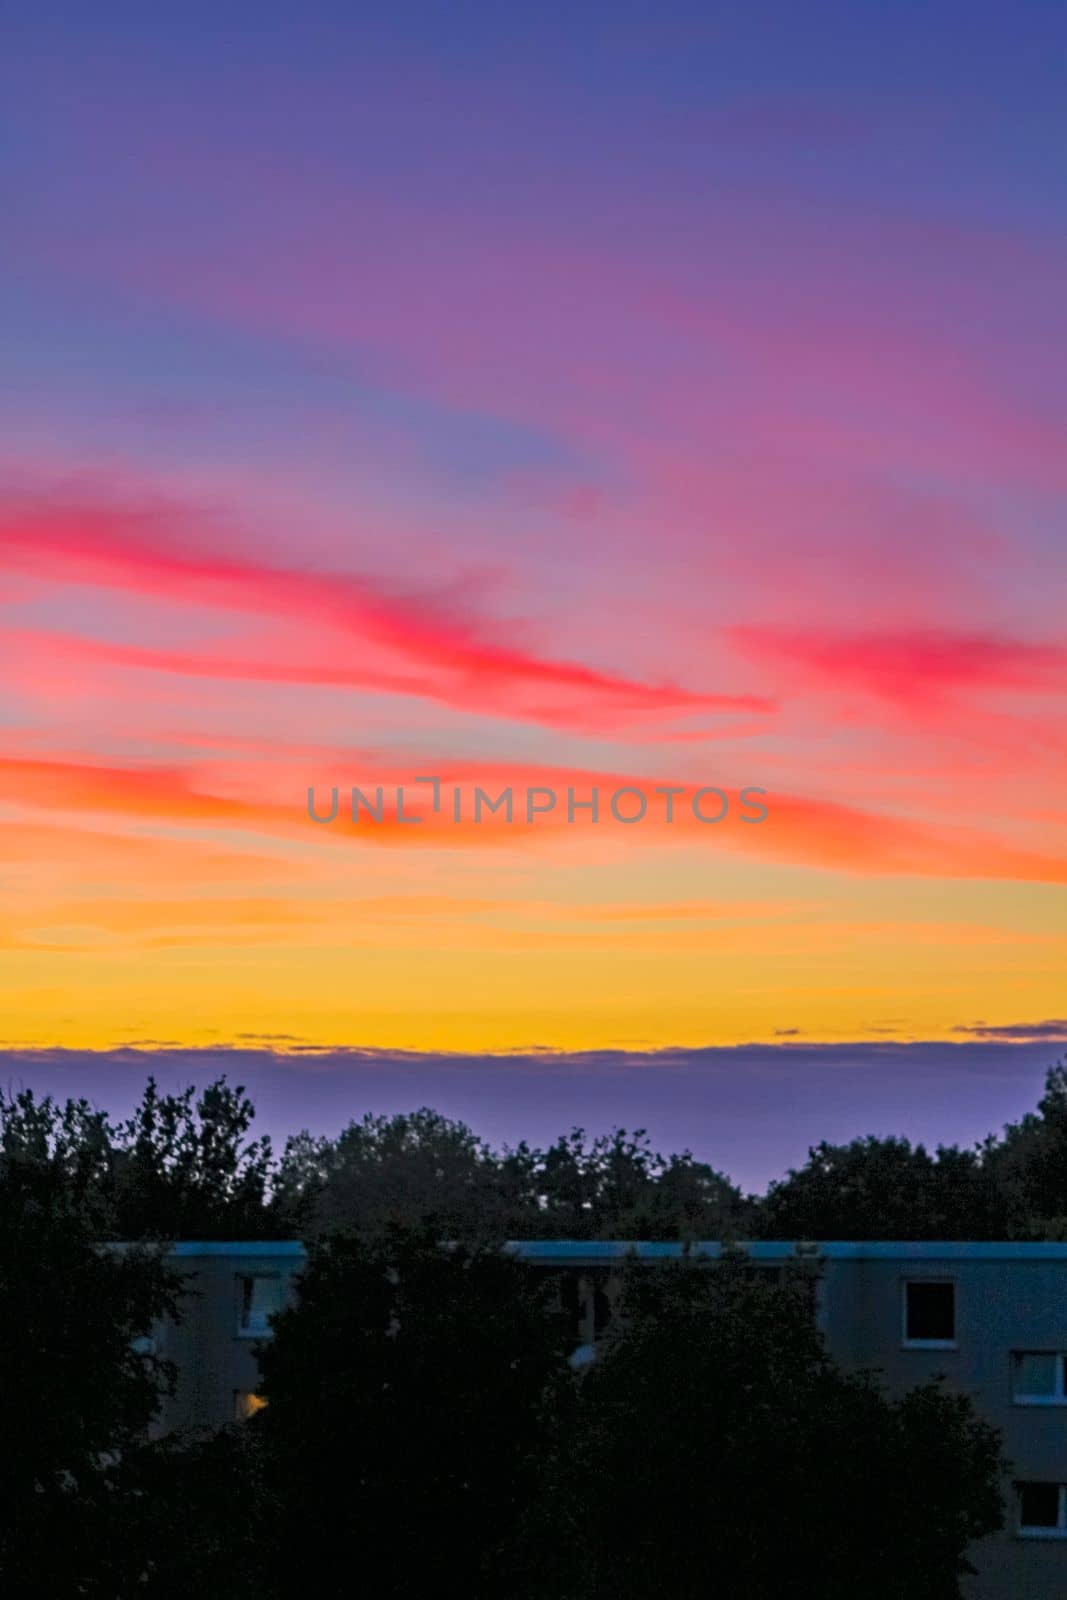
(1037, 1378)
(568, 1303)
(601, 1310)
(1039, 1505)
(259, 1296)
(930, 1311)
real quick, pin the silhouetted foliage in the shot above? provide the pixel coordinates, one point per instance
(716, 1449)
(431, 1386)
(423, 1170)
(382, 1173)
(185, 1168)
(886, 1189)
(618, 1187)
(77, 1388)
(181, 1167)
(1029, 1163)
(187, 1165)
(407, 1394)
(204, 1517)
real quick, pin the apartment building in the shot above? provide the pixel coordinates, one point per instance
(991, 1317)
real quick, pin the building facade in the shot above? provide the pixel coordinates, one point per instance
(990, 1317)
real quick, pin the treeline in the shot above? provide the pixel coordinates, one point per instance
(189, 1166)
(425, 1431)
(425, 1425)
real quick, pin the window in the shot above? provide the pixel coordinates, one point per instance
(1042, 1510)
(566, 1301)
(603, 1310)
(258, 1297)
(930, 1314)
(1037, 1378)
(246, 1405)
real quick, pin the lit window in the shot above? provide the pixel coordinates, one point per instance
(930, 1314)
(258, 1298)
(246, 1405)
(1043, 1510)
(1037, 1378)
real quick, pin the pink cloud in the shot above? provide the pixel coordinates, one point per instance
(911, 668)
(337, 628)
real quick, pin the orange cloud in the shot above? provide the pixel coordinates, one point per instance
(810, 831)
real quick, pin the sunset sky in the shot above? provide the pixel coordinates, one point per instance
(588, 395)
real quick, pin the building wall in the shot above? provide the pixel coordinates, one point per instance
(1004, 1303)
(1007, 1298)
(214, 1355)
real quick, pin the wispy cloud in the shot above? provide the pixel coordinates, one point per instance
(1052, 1030)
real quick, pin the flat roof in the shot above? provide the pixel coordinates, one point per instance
(563, 1252)
(607, 1250)
(239, 1247)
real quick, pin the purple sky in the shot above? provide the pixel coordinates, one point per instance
(751, 1110)
(648, 396)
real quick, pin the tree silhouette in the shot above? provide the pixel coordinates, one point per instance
(408, 1393)
(79, 1385)
(887, 1189)
(717, 1449)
